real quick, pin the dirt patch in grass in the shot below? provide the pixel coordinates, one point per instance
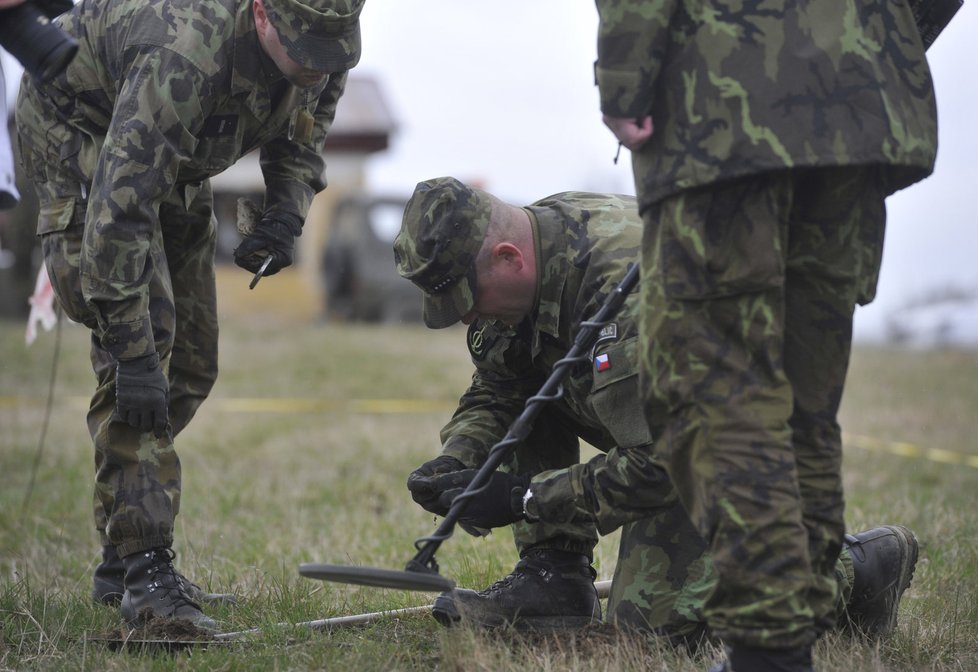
(153, 631)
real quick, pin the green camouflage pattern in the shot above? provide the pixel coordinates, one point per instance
(442, 231)
(663, 579)
(663, 576)
(198, 93)
(162, 95)
(736, 88)
(322, 35)
(586, 242)
(137, 489)
(748, 294)
(779, 128)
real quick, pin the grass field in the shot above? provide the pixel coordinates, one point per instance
(301, 454)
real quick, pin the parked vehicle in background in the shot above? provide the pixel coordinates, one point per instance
(361, 280)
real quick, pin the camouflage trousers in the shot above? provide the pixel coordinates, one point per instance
(748, 292)
(664, 572)
(137, 475)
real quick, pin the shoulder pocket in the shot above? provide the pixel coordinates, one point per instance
(615, 396)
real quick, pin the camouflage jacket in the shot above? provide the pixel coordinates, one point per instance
(738, 88)
(171, 92)
(585, 243)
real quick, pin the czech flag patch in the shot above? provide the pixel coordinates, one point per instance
(602, 363)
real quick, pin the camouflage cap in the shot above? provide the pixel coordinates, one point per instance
(444, 226)
(323, 35)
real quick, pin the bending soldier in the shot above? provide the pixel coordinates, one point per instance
(162, 95)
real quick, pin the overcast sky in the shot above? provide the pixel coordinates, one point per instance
(503, 93)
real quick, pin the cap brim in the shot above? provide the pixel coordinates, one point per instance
(449, 307)
(322, 53)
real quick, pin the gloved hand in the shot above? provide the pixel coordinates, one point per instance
(273, 236)
(142, 394)
(498, 504)
(420, 485)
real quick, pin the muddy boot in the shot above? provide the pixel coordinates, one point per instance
(883, 560)
(155, 590)
(548, 590)
(108, 583)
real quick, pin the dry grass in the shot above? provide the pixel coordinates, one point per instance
(318, 476)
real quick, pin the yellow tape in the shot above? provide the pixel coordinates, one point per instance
(910, 450)
(395, 406)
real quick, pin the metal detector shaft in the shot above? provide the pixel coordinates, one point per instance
(587, 335)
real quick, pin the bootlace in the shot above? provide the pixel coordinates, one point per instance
(167, 579)
(501, 584)
(521, 569)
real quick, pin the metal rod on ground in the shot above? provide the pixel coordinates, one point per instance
(603, 589)
(587, 335)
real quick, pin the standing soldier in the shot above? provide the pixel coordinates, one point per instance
(765, 138)
(523, 279)
(162, 95)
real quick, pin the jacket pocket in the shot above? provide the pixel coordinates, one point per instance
(615, 396)
(57, 215)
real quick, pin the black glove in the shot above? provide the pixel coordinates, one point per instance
(142, 394)
(419, 482)
(274, 237)
(497, 504)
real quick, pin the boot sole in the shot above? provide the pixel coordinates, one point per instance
(908, 565)
(446, 613)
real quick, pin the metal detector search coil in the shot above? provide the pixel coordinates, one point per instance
(379, 578)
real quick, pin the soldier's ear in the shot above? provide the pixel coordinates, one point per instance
(508, 253)
(261, 17)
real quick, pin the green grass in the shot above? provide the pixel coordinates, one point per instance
(320, 478)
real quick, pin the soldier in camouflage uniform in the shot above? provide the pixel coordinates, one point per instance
(162, 95)
(765, 138)
(523, 279)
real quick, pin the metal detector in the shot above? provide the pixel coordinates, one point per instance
(421, 572)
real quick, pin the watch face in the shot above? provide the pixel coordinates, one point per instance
(527, 496)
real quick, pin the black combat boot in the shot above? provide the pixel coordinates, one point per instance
(883, 561)
(750, 659)
(155, 590)
(108, 583)
(548, 590)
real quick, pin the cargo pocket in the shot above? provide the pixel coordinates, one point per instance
(57, 216)
(727, 241)
(615, 396)
(60, 227)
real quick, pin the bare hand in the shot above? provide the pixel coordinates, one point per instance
(632, 133)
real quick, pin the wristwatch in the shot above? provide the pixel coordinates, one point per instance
(527, 496)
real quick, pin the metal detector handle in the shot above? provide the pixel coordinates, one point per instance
(587, 335)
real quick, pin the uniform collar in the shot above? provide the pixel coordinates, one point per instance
(550, 241)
